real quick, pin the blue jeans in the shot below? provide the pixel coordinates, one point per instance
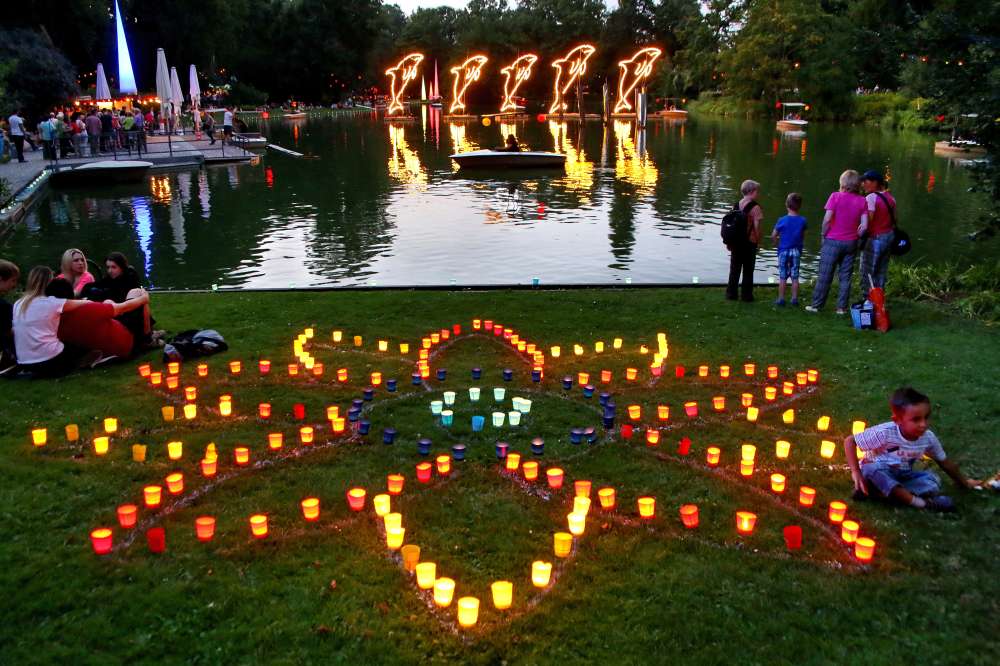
(835, 255)
(875, 260)
(886, 478)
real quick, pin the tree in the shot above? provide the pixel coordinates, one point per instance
(39, 76)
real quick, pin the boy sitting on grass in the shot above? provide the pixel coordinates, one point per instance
(890, 450)
(790, 229)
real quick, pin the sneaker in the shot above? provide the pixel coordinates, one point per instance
(780, 302)
(841, 311)
(810, 308)
(795, 302)
(941, 504)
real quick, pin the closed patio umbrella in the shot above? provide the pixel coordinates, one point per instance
(176, 96)
(163, 90)
(195, 91)
(103, 90)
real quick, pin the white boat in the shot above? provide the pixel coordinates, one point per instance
(500, 159)
(791, 120)
(103, 172)
(250, 140)
(295, 116)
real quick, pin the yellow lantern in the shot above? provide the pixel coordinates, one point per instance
(746, 467)
(338, 336)
(175, 450)
(752, 414)
(858, 427)
(782, 448)
(555, 351)
(778, 483)
(788, 416)
(581, 505)
(823, 423)
(404, 348)
(426, 575)
(599, 347)
(444, 590)
(110, 425)
(617, 343)
(381, 504)
(394, 537)
(101, 445)
(770, 393)
(503, 594)
(827, 449)
(383, 345)
(748, 452)
(578, 350)
(175, 483)
(190, 410)
(849, 531)
(541, 573)
(562, 543)
(513, 461)
(468, 611)
(647, 507)
(577, 523)
(39, 436)
(393, 519)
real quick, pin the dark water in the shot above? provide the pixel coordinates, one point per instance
(383, 204)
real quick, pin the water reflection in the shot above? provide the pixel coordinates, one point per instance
(579, 171)
(404, 164)
(632, 164)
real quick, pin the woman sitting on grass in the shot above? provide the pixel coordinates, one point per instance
(117, 286)
(74, 270)
(94, 327)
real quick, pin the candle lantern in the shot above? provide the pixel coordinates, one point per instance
(411, 556)
(190, 411)
(772, 372)
(663, 412)
(394, 537)
(423, 446)
(390, 385)
(554, 477)
(849, 531)
(599, 347)
(541, 572)
(647, 507)
(807, 496)
(424, 470)
(801, 378)
(156, 539)
(443, 464)
(175, 483)
(436, 407)
(858, 427)
(538, 446)
(746, 399)
(787, 388)
(498, 418)
(293, 369)
(746, 467)
(275, 440)
(498, 394)
(588, 391)
(634, 412)
(128, 515)
(837, 511)
(101, 445)
(394, 482)
(173, 367)
(581, 505)
(864, 549)
(530, 470)
(501, 449)
(778, 483)
(782, 448)
(745, 522)
(703, 371)
(652, 437)
(582, 378)
(627, 431)
(426, 574)
(152, 496)
(562, 544)
(719, 403)
(503, 593)
(167, 411)
(513, 461)
(749, 369)
(631, 374)
(441, 374)
(605, 376)
(684, 446)
(381, 504)
(264, 366)
(678, 371)
(689, 515)
(724, 371)
(444, 589)
(712, 455)
(310, 508)
(306, 434)
(225, 408)
(788, 416)
(101, 540)
(607, 498)
(748, 452)
(770, 393)
(264, 410)
(793, 536)
(567, 383)
(144, 370)
(691, 409)
(258, 526)
(812, 375)
(156, 378)
(823, 423)
(827, 449)
(474, 392)
(388, 435)
(376, 379)
(581, 488)
(752, 414)
(356, 499)
(209, 466)
(241, 455)
(449, 398)
(110, 425)
(477, 373)
(235, 367)
(508, 374)
(555, 351)
(204, 528)
(578, 350)
(72, 434)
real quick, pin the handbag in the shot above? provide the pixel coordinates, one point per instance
(901, 243)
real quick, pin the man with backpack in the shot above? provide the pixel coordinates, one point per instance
(741, 234)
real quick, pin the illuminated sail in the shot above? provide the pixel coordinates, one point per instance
(126, 77)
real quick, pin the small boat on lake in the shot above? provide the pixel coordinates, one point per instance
(101, 173)
(500, 159)
(297, 115)
(791, 117)
(250, 140)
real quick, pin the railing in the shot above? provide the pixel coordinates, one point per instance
(134, 144)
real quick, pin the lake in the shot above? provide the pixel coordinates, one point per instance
(382, 204)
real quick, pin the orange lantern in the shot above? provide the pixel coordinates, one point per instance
(801, 378)
(582, 378)
(837, 511)
(275, 440)
(770, 393)
(264, 410)
(864, 549)
(341, 375)
(745, 522)
(128, 515)
(376, 378)
(807, 496)
(554, 476)
(581, 488)
(607, 498)
(787, 388)
(203, 370)
(144, 370)
(605, 376)
(310, 508)
(772, 372)
(703, 371)
(513, 461)
(395, 483)
(631, 374)
(72, 434)
(173, 367)
(724, 371)
(242, 455)
(356, 499)
(152, 495)
(306, 434)
(204, 528)
(652, 437)
(647, 507)
(530, 470)
(712, 455)
(746, 467)
(258, 526)
(264, 366)
(778, 483)
(293, 369)
(749, 369)
(689, 515)
(155, 378)
(663, 412)
(190, 393)
(443, 463)
(317, 370)
(235, 367)
(849, 531)
(339, 424)
(812, 376)
(719, 403)
(746, 399)
(173, 382)
(209, 467)
(175, 483)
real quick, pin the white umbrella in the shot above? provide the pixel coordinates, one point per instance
(103, 91)
(176, 97)
(195, 90)
(163, 90)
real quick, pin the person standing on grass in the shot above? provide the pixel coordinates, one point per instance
(845, 218)
(890, 449)
(790, 230)
(743, 251)
(17, 134)
(881, 231)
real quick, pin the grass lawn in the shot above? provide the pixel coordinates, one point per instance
(631, 592)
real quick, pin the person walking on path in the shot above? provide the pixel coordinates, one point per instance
(845, 220)
(17, 133)
(208, 124)
(881, 231)
(743, 250)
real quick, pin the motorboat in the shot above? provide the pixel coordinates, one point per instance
(791, 119)
(500, 159)
(250, 140)
(295, 115)
(959, 148)
(102, 172)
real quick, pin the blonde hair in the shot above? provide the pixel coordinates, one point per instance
(66, 265)
(38, 279)
(749, 186)
(850, 181)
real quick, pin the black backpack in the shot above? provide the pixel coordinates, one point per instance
(736, 225)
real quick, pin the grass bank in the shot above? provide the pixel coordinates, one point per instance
(631, 593)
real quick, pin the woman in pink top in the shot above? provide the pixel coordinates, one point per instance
(74, 270)
(845, 219)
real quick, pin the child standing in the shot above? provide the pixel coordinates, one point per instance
(791, 230)
(891, 448)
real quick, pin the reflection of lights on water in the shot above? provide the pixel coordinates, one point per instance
(404, 165)
(579, 172)
(633, 166)
(144, 230)
(160, 188)
(506, 129)
(269, 177)
(931, 181)
(295, 134)
(459, 140)
(805, 143)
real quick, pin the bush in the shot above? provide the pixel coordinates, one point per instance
(972, 291)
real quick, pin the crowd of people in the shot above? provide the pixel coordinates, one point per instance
(70, 319)
(76, 133)
(859, 217)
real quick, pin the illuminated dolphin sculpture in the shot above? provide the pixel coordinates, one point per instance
(569, 69)
(515, 74)
(465, 75)
(635, 71)
(401, 75)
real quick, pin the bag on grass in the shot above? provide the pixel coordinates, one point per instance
(863, 315)
(194, 343)
(735, 229)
